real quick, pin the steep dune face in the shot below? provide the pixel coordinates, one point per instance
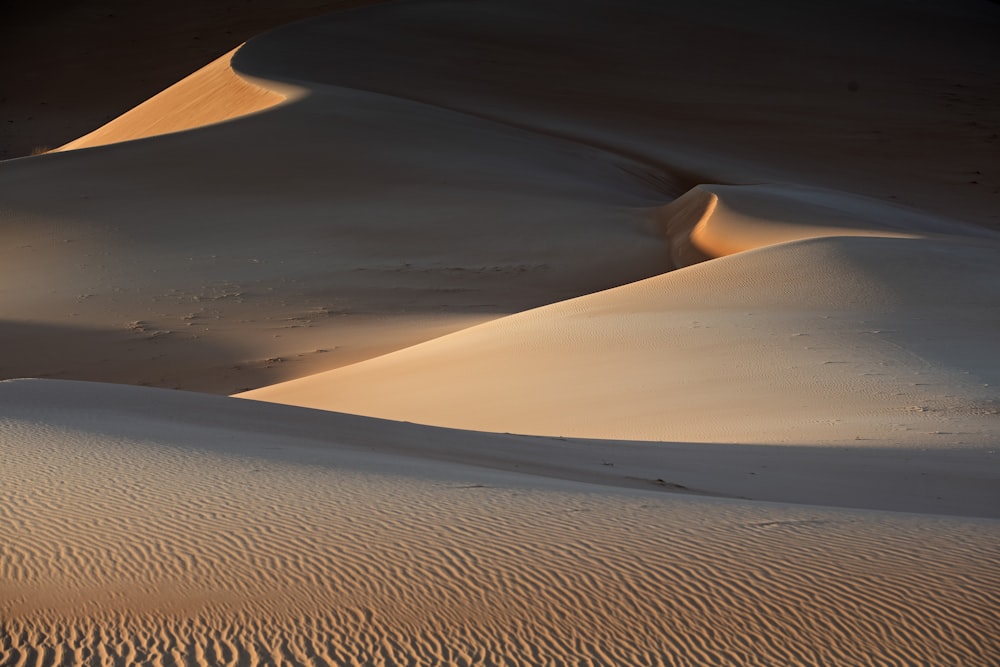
(75, 66)
(213, 94)
(167, 529)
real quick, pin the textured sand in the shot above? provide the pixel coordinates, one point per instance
(147, 527)
(668, 330)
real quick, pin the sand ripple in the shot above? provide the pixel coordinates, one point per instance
(160, 550)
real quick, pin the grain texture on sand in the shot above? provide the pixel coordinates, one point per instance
(160, 530)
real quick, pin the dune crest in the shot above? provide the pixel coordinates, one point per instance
(213, 94)
(628, 356)
(711, 221)
(837, 339)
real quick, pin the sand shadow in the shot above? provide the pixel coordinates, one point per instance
(134, 356)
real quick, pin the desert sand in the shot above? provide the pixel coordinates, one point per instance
(642, 333)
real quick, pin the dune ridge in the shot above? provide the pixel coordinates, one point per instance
(311, 282)
(213, 94)
(849, 340)
(711, 220)
(568, 347)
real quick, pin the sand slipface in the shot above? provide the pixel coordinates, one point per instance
(213, 94)
(565, 347)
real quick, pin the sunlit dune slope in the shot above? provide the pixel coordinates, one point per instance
(634, 348)
(211, 95)
(884, 340)
(74, 66)
(313, 235)
(717, 220)
(150, 527)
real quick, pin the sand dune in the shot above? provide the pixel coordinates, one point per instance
(82, 64)
(863, 330)
(890, 99)
(824, 340)
(418, 222)
(170, 528)
(712, 221)
(213, 94)
(544, 183)
(650, 333)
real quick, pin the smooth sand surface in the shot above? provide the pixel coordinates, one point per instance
(648, 333)
(831, 340)
(309, 243)
(213, 94)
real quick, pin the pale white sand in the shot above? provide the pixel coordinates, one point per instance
(713, 331)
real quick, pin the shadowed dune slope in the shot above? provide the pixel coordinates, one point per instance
(890, 99)
(712, 220)
(463, 224)
(316, 234)
(160, 529)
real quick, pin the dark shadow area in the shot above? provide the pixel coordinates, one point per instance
(166, 359)
(959, 482)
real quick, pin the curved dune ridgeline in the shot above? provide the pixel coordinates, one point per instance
(213, 94)
(613, 332)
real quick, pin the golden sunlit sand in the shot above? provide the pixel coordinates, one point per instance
(537, 337)
(213, 94)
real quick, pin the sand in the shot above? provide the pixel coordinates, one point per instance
(640, 334)
(213, 94)
(164, 528)
(723, 351)
(83, 64)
